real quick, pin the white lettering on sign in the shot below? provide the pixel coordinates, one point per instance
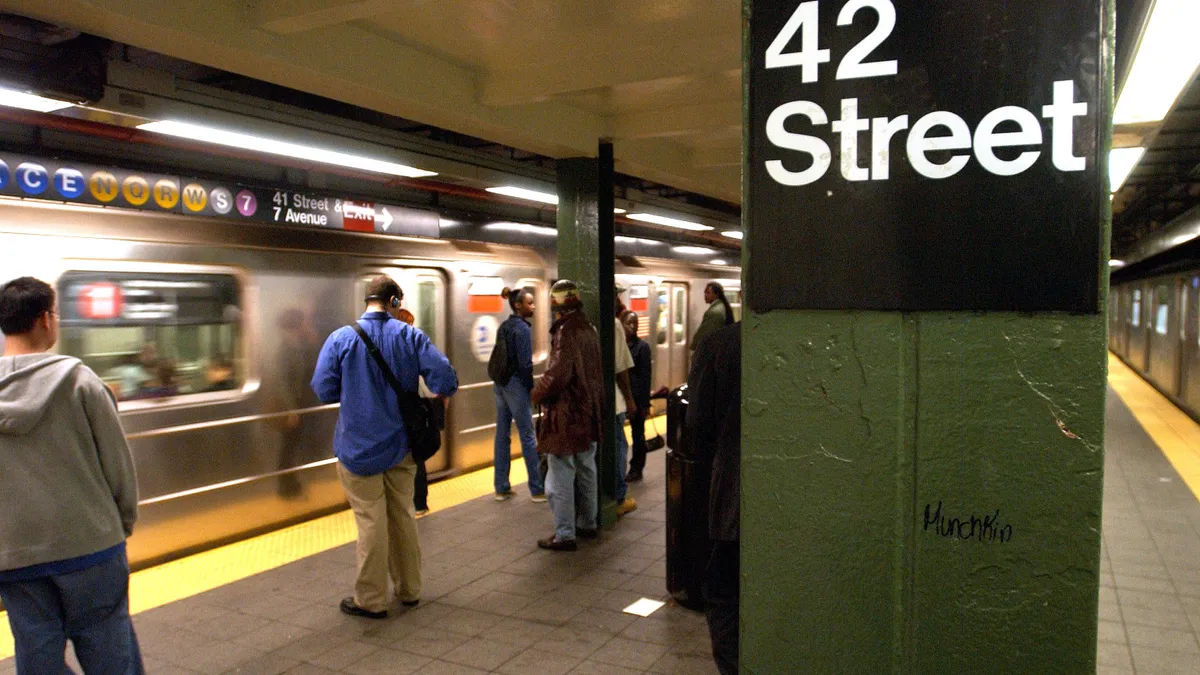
(938, 131)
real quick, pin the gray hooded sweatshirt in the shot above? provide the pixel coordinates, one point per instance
(67, 486)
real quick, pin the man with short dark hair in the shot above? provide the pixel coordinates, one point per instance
(68, 495)
(571, 395)
(375, 461)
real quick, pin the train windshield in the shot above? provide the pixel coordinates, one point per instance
(153, 335)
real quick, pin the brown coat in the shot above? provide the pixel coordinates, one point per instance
(571, 392)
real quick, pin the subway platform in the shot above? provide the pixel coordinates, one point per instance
(493, 602)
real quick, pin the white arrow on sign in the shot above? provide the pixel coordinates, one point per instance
(385, 217)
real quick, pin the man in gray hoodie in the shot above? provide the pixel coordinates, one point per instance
(68, 496)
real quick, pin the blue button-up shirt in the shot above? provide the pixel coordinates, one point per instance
(370, 437)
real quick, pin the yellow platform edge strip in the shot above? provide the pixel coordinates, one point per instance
(208, 570)
(1175, 433)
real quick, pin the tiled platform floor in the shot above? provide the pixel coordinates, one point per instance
(497, 604)
(1150, 570)
(494, 603)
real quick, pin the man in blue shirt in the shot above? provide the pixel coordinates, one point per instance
(512, 398)
(371, 444)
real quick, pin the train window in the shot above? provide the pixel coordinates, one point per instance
(540, 320)
(660, 305)
(1135, 310)
(1161, 310)
(680, 322)
(154, 335)
(1183, 303)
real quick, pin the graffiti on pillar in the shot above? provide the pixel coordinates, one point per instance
(985, 529)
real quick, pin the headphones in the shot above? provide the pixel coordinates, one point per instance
(393, 302)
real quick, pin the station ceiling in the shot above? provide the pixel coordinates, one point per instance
(662, 79)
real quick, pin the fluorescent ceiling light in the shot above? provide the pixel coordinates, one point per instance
(693, 250)
(522, 193)
(1116, 263)
(283, 148)
(717, 262)
(732, 234)
(618, 211)
(1120, 163)
(16, 99)
(636, 240)
(1184, 238)
(669, 222)
(524, 228)
(1166, 60)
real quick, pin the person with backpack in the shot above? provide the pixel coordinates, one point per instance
(511, 371)
(373, 368)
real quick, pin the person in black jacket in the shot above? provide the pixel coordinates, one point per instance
(715, 423)
(639, 383)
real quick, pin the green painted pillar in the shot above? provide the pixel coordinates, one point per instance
(868, 437)
(585, 256)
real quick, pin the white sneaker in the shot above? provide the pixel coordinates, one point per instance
(538, 499)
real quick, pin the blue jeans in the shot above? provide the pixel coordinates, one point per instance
(561, 490)
(89, 607)
(622, 457)
(512, 405)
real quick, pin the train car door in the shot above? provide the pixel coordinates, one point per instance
(1189, 354)
(425, 296)
(671, 334)
(1163, 337)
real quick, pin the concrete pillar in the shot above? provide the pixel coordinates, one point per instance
(921, 491)
(586, 256)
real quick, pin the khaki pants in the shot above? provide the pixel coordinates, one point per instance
(387, 534)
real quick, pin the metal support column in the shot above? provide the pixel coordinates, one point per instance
(585, 256)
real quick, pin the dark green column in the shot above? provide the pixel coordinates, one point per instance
(857, 424)
(585, 256)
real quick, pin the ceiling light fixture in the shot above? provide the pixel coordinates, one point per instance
(17, 99)
(618, 211)
(1166, 60)
(622, 239)
(524, 228)
(693, 250)
(717, 262)
(1121, 162)
(522, 193)
(732, 234)
(271, 146)
(669, 222)
(1116, 263)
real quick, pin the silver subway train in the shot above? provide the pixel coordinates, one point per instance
(1154, 326)
(207, 331)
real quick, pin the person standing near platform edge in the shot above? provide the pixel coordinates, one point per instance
(571, 395)
(512, 398)
(68, 495)
(639, 384)
(371, 443)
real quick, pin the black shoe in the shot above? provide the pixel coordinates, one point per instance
(587, 532)
(410, 603)
(348, 606)
(633, 477)
(556, 544)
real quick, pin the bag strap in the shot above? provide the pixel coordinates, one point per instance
(387, 370)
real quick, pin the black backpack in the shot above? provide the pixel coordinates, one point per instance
(500, 368)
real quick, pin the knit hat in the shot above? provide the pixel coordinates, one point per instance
(564, 295)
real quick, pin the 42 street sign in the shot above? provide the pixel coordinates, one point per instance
(943, 156)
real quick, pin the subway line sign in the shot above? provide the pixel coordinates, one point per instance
(108, 186)
(943, 155)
